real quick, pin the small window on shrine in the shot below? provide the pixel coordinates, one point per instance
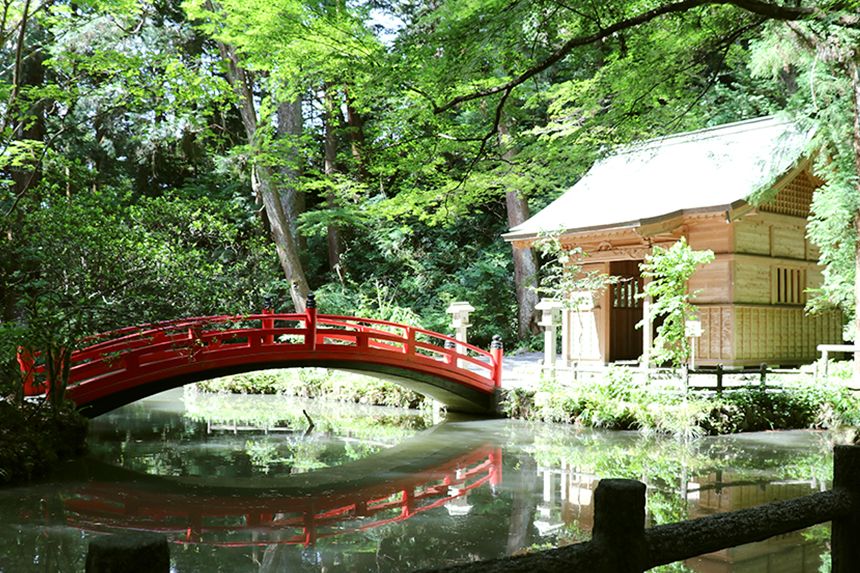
(625, 293)
(790, 285)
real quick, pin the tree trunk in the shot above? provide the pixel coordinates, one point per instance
(263, 185)
(333, 238)
(355, 121)
(525, 261)
(291, 125)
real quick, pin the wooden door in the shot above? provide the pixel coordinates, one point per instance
(625, 340)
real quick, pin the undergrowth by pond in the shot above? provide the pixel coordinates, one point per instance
(35, 437)
(622, 402)
(317, 383)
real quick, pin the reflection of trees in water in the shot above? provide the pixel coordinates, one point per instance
(691, 479)
(229, 435)
(518, 515)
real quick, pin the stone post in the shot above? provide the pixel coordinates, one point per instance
(845, 531)
(565, 336)
(549, 321)
(459, 312)
(128, 553)
(619, 525)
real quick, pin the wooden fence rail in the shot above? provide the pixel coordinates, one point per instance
(621, 544)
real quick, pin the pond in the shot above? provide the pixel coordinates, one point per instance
(244, 484)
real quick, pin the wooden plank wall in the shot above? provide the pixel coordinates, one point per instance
(747, 335)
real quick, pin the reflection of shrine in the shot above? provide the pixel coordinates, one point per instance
(790, 553)
(567, 499)
(237, 518)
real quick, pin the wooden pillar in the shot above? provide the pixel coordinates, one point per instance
(619, 525)
(647, 328)
(128, 553)
(845, 532)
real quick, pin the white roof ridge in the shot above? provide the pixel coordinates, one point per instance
(711, 132)
(685, 172)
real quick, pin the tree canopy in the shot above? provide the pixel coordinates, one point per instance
(163, 158)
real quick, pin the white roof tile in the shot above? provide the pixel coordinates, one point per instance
(654, 179)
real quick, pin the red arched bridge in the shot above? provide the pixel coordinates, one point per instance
(119, 367)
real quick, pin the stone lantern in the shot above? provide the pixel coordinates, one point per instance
(550, 320)
(459, 312)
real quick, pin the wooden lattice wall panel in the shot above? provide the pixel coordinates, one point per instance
(749, 335)
(794, 198)
(782, 335)
(716, 340)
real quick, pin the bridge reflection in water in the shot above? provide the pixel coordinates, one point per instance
(257, 518)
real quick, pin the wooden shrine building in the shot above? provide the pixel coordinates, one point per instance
(697, 185)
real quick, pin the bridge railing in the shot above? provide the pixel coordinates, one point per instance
(133, 349)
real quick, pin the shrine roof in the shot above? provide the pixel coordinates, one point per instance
(711, 169)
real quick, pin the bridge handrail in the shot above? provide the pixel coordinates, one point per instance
(166, 341)
(152, 329)
(417, 329)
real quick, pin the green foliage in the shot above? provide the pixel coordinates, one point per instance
(621, 402)
(318, 383)
(668, 271)
(34, 439)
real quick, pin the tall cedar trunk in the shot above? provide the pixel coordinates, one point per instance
(290, 125)
(263, 184)
(854, 68)
(28, 123)
(525, 261)
(355, 121)
(330, 151)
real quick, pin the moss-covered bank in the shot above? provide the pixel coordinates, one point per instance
(621, 403)
(616, 402)
(35, 437)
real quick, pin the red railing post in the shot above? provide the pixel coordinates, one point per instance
(410, 349)
(450, 357)
(497, 351)
(496, 467)
(268, 324)
(27, 364)
(311, 321)
(130, 362)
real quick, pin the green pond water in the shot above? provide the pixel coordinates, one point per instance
(239, 484)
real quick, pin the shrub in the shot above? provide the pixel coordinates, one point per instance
(34, 437)
(618, 402)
